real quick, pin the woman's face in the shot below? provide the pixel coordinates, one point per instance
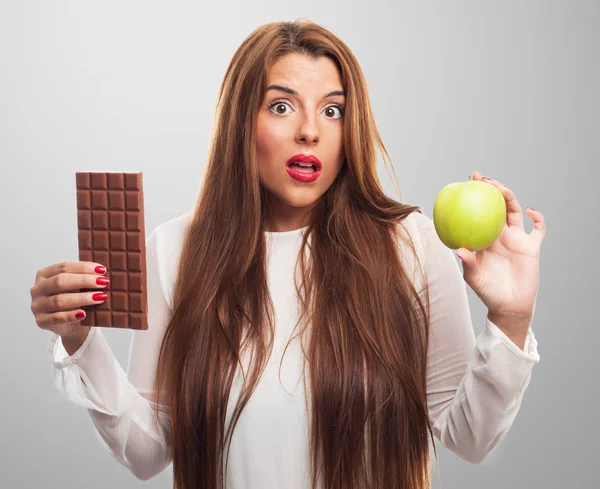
(305, 122)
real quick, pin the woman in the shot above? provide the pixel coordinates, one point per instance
(346, 362)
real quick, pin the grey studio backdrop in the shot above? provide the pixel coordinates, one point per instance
(506, 88)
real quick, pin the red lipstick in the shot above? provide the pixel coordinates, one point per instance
(304, 173)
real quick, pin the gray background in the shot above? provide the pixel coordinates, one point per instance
(506, 88)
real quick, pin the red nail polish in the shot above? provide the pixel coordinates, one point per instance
(100, 269)
(80, 315)
(530, 208)
(102, 281)
(99, 297)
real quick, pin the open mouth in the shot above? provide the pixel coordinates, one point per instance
(303, 167)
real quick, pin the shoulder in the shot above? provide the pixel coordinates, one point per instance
(169, 236)
(422, 229)
(420, 222)
(435, 257)
(419, 231)
(418, 228)
(175, 225)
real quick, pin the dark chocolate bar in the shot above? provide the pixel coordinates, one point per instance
(110, 221)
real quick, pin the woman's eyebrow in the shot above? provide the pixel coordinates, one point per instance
(294, 92)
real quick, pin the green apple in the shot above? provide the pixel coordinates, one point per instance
(469, 215)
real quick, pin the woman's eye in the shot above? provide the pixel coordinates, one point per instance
(277, 104)
(332, 107)
(327, 110)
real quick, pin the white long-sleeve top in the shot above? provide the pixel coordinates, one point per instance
(474, 385)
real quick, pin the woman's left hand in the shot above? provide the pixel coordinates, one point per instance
(505, 275)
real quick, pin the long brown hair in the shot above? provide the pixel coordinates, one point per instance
(367, 324)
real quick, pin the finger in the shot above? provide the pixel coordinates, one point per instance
(539, 225)
(69, 282)
(514, 212)
(70, 267)
(468, 258)
(49, 320)
(65, 302)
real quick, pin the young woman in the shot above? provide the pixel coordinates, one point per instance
(305, 330)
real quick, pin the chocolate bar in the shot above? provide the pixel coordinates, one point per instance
(111, 231)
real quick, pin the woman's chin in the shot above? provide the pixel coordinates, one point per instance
(301, 200)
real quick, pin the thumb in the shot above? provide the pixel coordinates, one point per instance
(468, 259)
(471, 274)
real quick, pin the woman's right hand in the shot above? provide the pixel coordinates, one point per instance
(55, 296)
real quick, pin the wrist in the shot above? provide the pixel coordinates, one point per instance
(511, 324)
(515, 327)
(79, 333)
(73, 342)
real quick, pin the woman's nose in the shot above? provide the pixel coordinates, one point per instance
(308, 132)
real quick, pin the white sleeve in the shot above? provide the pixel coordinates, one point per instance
(119, 404)
(475, 386)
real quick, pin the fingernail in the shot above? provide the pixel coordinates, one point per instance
(80, 315)
(100, 269)
(99, 297)
(530, 208)
(487, 178)
(102, 281)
